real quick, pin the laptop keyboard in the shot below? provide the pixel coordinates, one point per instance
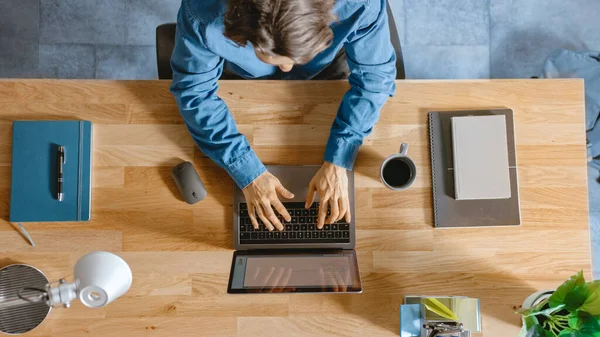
(302, 228)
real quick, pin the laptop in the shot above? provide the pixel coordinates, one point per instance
(301, 258)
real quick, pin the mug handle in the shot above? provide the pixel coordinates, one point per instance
(403, 149)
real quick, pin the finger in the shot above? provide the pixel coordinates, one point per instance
(263, 218)
(275, 221)
(285, 280)
(272, 217)
(256, 272)
(322, 278)
(335, 211)
(267, 277)
(347, 278)
(252, 214)
(340, 282)
(277, 279)
(343, 209)
(322, 213)
(348, 216)
(283, 191)
(281, 210)
(331, 281)
(310, 197)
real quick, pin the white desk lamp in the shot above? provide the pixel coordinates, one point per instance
(26, 296)
(100, 277)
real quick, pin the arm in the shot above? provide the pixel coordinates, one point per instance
(195, 73)
(372, 64)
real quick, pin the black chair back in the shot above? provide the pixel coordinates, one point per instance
(165, 43)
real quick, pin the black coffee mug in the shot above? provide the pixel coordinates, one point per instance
(398, 171)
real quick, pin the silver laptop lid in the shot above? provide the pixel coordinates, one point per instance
(294, 272)
(296, 180)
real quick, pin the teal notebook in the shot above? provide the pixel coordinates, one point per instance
(33, 195)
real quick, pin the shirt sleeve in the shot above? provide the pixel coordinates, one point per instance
(195, 73)
(372, 62)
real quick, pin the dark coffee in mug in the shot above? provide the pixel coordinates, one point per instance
(397, 172)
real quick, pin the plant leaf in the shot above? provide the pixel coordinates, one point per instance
(550, 311)
(439, 308)
(592, 302)
(538, 331)
(558, 297)
(576, 297)
(525, 312)
(575, 333)
(535, 310)
(574, 320)
(540, 305)
(530, 321)
(569, 333)
(589, 324)
(582, 324)
(523, 332)
(592, 285)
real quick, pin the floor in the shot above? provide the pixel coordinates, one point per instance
(104, 39)
(442, 39)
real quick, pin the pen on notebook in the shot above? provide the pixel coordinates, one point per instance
(24, 231)
(60, 161)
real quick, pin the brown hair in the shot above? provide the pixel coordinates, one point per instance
(298, 29)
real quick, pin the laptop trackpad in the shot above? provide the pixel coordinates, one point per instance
(295, 179)
(260, 272)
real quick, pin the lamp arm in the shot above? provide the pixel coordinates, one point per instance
(63, 294)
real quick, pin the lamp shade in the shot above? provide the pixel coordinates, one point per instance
(101, 278)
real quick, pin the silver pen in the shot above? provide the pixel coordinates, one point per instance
(60, 159)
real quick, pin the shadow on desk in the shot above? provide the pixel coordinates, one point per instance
(7, 262)
(169, 182)
(385, 284)
(370, 161)
(205, 225)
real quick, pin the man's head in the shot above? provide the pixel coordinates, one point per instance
(283, 32)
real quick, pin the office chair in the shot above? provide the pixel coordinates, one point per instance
(165, 42)
(395, 37)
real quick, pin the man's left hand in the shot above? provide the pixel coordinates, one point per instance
(331, 185)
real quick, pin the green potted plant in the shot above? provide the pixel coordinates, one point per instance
(572, 310)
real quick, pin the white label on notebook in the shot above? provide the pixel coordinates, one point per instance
(480, 155)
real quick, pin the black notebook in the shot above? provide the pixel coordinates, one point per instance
(449, 212)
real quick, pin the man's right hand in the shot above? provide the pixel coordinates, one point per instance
(261, 197)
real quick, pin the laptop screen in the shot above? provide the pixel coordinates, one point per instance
(276, 272)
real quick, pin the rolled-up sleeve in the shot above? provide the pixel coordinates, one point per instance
(195, 73)
(372, 62)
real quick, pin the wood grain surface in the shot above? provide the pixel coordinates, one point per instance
(180, 254)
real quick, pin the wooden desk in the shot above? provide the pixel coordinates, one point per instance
(181, 254)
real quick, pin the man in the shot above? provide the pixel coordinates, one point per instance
(283, 39)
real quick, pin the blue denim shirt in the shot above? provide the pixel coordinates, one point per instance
(201, 51)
